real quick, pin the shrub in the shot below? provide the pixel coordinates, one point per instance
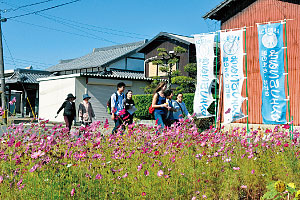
(142, 103)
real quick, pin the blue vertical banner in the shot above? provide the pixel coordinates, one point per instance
(271, 60)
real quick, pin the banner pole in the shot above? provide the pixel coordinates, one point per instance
(287, 75)
(246, 72)
(217, 46)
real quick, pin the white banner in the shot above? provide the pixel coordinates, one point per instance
(205, 74)
(232, 56)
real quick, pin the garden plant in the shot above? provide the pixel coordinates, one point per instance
(145, 162)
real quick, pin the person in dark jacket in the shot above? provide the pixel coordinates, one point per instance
(129, 107)
(69, 110)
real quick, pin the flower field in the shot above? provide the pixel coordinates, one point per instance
(144, 163)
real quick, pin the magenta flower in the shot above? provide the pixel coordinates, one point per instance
(122, 112)
(34, 168)
(146, 173)
(286, 126)
(252, 171)
(286, 145)
(1, 179)
(160, 173)
(98, 176)
(12, 101)
(143, 193)
(125, 175)
(236, 168)
(37, 154)
(72, 192)
(228, 111)
(244, 186)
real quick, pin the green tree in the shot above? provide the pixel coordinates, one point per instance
(168, 59)
(149, 89)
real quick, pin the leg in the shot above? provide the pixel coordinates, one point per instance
(117, 124)
(70, 122)
(67, 122)
(159, 118)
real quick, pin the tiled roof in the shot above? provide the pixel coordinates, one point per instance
(27, 76)
(119, 74)
(183, 39)
(99, 57)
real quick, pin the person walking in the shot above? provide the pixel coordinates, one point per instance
(117, 106)
(179, 105)
(170, 117)
(159, 104)
(85, 111)
(129, 107)
(69, 110)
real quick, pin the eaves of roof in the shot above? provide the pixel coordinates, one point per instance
(118, 76)
(187, 41)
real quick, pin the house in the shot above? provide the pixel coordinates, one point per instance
(240, 13)
(168, 41)
(23, 85)
(96, 74)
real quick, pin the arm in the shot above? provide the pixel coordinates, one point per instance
(154, 100)
(62, 106)
(93, 114)
(80, 111)
(186, 112)
(113, 105)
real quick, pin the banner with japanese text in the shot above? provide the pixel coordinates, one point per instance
(205, 73)
(232, 58)
(271, 60)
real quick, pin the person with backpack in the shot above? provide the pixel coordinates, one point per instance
(129, 107)
(159, 104)
(85, 111)
(179, 105)
(69, 110)
(117, 106)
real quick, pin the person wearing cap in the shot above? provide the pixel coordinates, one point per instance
(69, 110)
(85, 111)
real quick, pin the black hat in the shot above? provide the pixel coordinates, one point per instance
(70, 96)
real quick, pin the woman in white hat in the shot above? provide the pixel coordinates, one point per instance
(86, 112)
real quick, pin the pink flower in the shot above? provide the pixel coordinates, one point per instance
(194, 198)
(286, 126)
(243, 186)
(1, 179)
(106, 125)
(139, 167)
(37, 154)
(252, 171)
(204, 196)
(228, 111)
(236, 168)
(286, 145)
(125, 175)
(72, 192)
(160, 173)
(18, 144)
(12, 101)
(156, 153)
(146, 173)
(98, 176)
(143, 193)
(20, 182)
(34, 168)
(122, 112)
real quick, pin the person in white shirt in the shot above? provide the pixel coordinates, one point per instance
(181, 110)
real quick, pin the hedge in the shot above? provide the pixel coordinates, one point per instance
(144, 101)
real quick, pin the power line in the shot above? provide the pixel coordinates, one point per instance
(78, 28)
(35, 12)
(28, 5)
(84, 24)
(59, 30)
(41, 63)
(9, 50)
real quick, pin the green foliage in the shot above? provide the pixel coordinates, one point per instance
(142, 103)
(273, 191)
(191, 68)
(149, 89)
(185, 84)
(179, 49)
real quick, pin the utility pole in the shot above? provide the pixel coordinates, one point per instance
(2, 73)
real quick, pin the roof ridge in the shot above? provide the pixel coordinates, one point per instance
(118, 46)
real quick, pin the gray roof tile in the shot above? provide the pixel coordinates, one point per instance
(99, 57)
(27, 76)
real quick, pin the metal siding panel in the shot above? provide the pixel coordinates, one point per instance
(263, 11)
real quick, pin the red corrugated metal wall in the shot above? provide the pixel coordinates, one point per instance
(264, 11)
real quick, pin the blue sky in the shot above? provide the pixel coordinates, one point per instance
(32, 40)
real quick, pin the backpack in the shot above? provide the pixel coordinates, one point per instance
(108, 104)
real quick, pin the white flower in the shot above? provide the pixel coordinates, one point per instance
(69, 165)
